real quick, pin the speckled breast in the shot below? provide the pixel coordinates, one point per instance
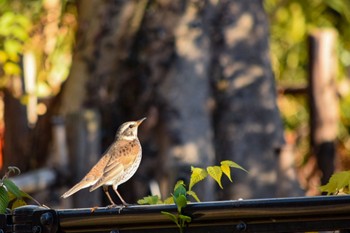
(130, 171)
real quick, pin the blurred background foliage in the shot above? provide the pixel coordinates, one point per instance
(46, 28)
(290, 23)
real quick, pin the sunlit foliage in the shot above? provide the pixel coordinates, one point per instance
(290, 23)
(42, 28)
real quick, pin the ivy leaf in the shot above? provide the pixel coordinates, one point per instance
(194, 195)
(150, 200)
(197, 175)
(181, 202)
(169, 200)
(171, 216)
(232, 164)
(184, 219)
(179, 188)
(4, 200)
(226, 170)
(216, 173)
(338, 181)
(329, 188)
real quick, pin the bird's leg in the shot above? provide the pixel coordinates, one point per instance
(105, 189)
(120, 197)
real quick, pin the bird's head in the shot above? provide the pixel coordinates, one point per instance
(128, 130)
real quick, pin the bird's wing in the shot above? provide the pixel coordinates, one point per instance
(121, 156)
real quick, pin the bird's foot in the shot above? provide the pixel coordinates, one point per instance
(125, 204)
(93, 209)
(112, 206)
(120, 207)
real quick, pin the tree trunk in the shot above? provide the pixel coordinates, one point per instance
(17, 134)
(25, 147)
(248, 126)
(185, 95)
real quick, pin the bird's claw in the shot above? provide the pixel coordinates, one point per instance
(112, 206)
(120, 207)
(93, 209)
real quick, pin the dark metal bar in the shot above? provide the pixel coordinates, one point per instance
(301, 214)
(261, 215)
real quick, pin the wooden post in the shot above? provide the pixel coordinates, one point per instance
(59, 155)
(323, 99)
(83, 136)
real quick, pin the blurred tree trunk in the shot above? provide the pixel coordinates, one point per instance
(183, 91)
(25, 147)
(248, 125)
(174, 62)
(17, 134)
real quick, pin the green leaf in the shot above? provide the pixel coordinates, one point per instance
(23, 21)
(26, 195)
(226, 170)
(4, 200)
(329, 188)
(197, 175)
(171, 216)
(12, 188)
(11, 68)
(149, 200)
(6, 21)
(178, 184)
(232, 164)
(19, 33)
(179, 188)
(180, 195)
(185, 218)
(181, 202)
(18, 203)
(336, 183)
(169, 200)
(11, 196)
(216, 173)
(194, 195)
(3, 56)
(12, 46)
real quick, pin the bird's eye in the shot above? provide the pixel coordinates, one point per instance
(131, 126)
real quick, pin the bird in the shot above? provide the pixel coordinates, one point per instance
(117, 165)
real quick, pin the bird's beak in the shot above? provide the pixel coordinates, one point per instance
(140, 121)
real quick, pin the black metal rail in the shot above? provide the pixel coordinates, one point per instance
(260, 215)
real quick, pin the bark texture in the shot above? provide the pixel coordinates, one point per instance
(248, 126)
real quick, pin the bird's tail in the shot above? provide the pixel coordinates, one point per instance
(81, 185)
